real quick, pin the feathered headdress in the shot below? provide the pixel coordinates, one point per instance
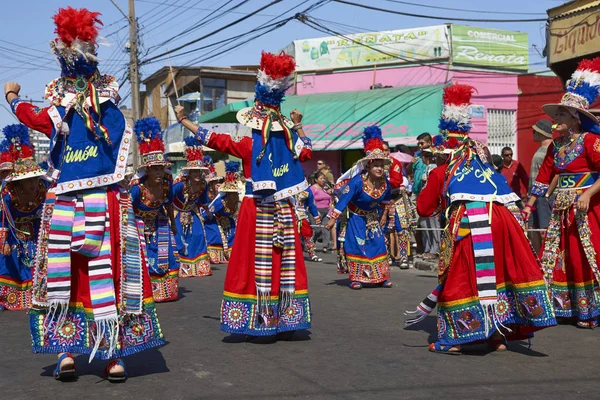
(373, 143)
(21, 152)
(583, 90)
(455, 122)
(212, 172)
(232, 170)
(274, 78)
(193, 154)
(151, 146)
(75, 46)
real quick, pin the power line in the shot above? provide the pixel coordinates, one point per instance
(205, 9)
(237, 21)
(436, 17)
(462, 10)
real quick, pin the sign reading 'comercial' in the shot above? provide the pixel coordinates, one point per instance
(364, 49)
(490, 48)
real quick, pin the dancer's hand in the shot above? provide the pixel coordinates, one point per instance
(583, 204)
(526, 212)
(296, 116)
(11, 90)
(330, 224)
(179, 112)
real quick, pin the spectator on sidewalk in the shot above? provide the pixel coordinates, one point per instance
(515, 173)
(323, 168)
(540, 217)
(322, 194)
(430, 238)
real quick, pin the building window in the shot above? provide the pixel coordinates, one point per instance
(163, 95)
(502, 130)
(214, 94)
(149, 105)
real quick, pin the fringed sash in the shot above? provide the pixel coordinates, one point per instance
(80, 224)
(274, 228)
(132, 250)
(424, 308)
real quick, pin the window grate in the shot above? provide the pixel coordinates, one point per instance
(502, 130)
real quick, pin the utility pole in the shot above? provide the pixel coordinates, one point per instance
(134, 77)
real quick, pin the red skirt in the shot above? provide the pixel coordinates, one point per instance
(305, 229)
(523, 302)
(239, 314)
(136, 333)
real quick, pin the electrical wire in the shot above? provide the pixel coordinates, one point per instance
(436, 17)
(237, 21)
(463, 10)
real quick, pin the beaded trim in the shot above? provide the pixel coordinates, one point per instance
(539, 189)
(562, 162)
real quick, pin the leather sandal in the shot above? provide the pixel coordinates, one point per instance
(66, 373)
(115, 377)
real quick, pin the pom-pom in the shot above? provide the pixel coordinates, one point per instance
(372, 138)
(153, 146)
(232, 166)
(266, 95)
(6, 157)
(76, 24)
(592, 65)
(147, 129)
(16, 133)
(458, 94)
(438, 140)
(277, 66)
(192, 141)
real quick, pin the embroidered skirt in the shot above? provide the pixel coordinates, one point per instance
(215, 236)
(574, 286)
(365, 251)
(523, 302)
(195, 260)
(163, 264)
(136, 332)
(16, 272)
(239, 312)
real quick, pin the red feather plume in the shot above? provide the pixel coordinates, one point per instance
(373, 144)
(6, 157)
(72, 23)
(592, 65)
(193, 154)
(154, 145)
(458, 94)
(277, 66)
(21, 151)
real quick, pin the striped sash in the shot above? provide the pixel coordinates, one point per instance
(483, 249)
(264, 254)
(80, 224)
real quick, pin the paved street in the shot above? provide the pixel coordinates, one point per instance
(357, 349)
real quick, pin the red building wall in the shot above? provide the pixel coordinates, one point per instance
(534, 92)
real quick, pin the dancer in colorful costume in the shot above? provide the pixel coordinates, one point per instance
(219, 221)
(22, 202)
(399, 218)
(266, 288)
(91, 292)
(212, 179)
(152, 198)
(365, 191)
(6, 161)
(305, 203)
(190, 193)
(571, 246)
(490, 282)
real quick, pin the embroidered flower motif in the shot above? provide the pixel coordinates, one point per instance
(235, 314)
(293, 314)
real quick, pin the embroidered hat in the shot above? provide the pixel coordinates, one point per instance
(151, 145)
(232, 173)
(583, 90)
(6, 160)
(373, 144)
(22, 153)
(455, 122)
(212, 172)
(193, 154)
(80, 85)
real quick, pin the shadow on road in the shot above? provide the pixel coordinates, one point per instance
(296, 336)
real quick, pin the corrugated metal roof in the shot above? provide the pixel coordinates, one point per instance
(571, 8)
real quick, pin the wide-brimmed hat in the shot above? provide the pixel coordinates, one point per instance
(273, 79)
(543, 127)
(582, 91)
(373, 145)
(22, 153)
(150, 142)
(232, 171)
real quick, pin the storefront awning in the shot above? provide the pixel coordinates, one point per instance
(334, 121)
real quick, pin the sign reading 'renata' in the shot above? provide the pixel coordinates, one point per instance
(371, 48)
(490, 48)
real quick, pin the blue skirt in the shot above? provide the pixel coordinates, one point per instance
(191, 244)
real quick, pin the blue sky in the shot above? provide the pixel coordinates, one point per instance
(26, 28)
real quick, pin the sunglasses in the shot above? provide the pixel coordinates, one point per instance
(320, 163)
(507, 155)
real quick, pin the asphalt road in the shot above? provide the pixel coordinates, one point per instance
(357, 349)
